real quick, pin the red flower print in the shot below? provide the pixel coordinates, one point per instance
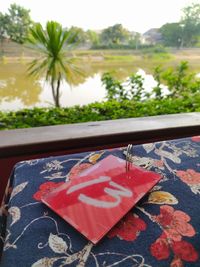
(190, 177)
(166, 215)
(177, 262)
(128, 228)
(185, 251)
(175, 223)
(77, 169)
(45, 188)
(160, 249)
(196, 138)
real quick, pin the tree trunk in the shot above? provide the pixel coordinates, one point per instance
(58, 92)
(53, 92)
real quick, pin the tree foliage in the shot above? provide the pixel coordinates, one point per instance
(135, 40)
(54, 63)
(131, 89)
(93, 37)
(191, 24)
(179, 81)
(18, 22)
(80, 36)
(2, 26)
(186, 32)
(2, 29)
(114, 35)
(172, 34)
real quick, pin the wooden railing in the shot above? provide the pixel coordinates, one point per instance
(22, 144)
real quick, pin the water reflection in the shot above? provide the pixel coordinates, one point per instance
(17, 90)
(88, 92)
(16, 85)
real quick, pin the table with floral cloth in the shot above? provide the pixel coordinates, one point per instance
(162, 230)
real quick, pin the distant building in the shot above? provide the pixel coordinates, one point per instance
(151, 37)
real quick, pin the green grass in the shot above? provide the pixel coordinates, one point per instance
(159, 56)
(126, 58)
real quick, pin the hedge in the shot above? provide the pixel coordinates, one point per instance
(108, 110)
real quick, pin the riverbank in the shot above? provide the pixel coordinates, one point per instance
(13, 52)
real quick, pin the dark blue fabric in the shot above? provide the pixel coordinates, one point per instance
(35, 236)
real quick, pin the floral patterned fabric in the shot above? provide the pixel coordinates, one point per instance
(162, 230)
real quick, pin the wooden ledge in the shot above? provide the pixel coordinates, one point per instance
(95, 135)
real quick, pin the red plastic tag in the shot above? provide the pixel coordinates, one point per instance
(98, 198)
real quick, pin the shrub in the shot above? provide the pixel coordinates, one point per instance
(108, 110)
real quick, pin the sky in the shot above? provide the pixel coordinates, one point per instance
(135, 15)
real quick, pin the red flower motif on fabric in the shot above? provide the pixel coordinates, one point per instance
(128, 228)
(190, 177)
(185, 251)
(160, 249)
(45, 188)
(177, 262)
(77, 169)
(196, 138)
(175, 223)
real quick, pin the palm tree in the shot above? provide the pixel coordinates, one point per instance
(53, 44)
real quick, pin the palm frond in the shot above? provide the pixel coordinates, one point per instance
(52, 44)
(37, 68)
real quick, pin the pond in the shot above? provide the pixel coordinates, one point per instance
(18, 90)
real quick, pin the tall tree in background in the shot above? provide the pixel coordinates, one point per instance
(80, 35)
(2, 29)
(172, 34)
(93, 37)
(190, 23)
(18, 23)
(114, 35)
(134, 40)
(54, 63)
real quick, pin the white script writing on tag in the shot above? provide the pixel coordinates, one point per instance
(116, 192)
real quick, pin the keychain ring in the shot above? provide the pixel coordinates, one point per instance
(128, 157)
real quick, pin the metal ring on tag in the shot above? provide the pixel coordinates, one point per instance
(128, 159)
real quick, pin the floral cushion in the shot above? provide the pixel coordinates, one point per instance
(162, 230)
